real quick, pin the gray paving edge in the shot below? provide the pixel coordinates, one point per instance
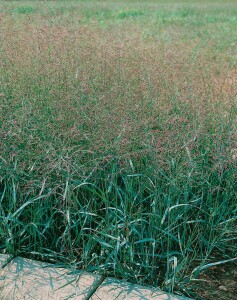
(27, 279)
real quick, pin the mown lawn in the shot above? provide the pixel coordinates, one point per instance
(118, 137)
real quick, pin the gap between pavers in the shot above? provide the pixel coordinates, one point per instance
(32, 280)
(4, 260)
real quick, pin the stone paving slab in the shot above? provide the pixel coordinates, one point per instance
(112, 289)
(3, 261)
(32, 280)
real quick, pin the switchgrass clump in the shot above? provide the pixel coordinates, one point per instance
(118, 150)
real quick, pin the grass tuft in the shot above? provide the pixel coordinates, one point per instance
(118, 139)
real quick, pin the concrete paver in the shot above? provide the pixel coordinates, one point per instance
(112, 289)
(32, 280)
